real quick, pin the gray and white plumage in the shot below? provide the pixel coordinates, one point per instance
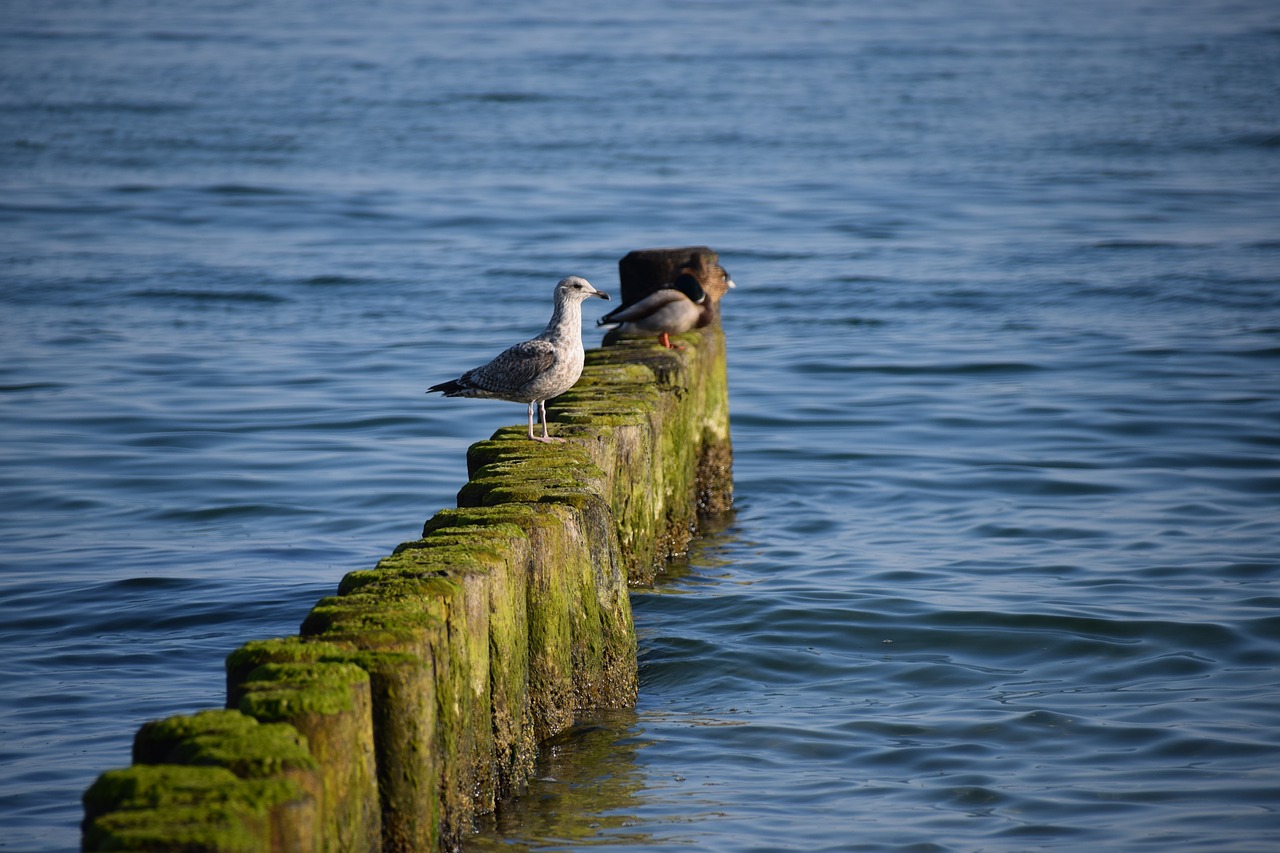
(672, 310)
(538, 369)
(689, 302)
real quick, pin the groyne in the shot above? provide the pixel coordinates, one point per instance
(415, 698)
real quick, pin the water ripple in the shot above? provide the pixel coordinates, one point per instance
(1002, 364)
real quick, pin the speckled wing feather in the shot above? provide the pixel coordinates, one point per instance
(512, 370)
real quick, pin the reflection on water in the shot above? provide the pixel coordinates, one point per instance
(586, 784)
(593, 785)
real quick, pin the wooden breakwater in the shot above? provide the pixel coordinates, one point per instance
(415, 698)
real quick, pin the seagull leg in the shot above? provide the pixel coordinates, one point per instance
(542, 409)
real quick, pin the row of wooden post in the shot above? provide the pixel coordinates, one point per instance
(414, 699)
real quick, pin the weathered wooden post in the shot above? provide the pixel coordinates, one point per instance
(413, 699)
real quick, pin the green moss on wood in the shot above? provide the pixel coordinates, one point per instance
(409, 774)
(267, 751)
(204, 828)
(173, 807)
(255, 653)
(227, 739)
(525, 490)
(447, 618)
(151, 786)
(281, 691)
(428, 560)
(330, 703)
(506, 618)
(501, 538)
(155, 741)
(342, 618)
(602, 371)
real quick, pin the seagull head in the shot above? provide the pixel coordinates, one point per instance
(578, 289)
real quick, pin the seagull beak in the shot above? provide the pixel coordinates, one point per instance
(731, 284)
(602, 295)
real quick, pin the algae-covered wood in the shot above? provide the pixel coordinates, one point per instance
(414, 699)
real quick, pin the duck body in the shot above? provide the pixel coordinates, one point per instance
(666, 311)
(690, 302)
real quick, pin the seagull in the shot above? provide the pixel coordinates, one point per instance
(539, 369)
(687, 303)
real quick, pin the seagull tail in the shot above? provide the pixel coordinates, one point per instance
(452, 388)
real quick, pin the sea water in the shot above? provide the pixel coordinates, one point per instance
(1003, 572)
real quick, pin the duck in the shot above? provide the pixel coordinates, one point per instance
(690, 302)
(540, 368)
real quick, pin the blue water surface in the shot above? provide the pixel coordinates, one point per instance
(1003, 572)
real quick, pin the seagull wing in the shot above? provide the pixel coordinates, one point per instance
(513, 369)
